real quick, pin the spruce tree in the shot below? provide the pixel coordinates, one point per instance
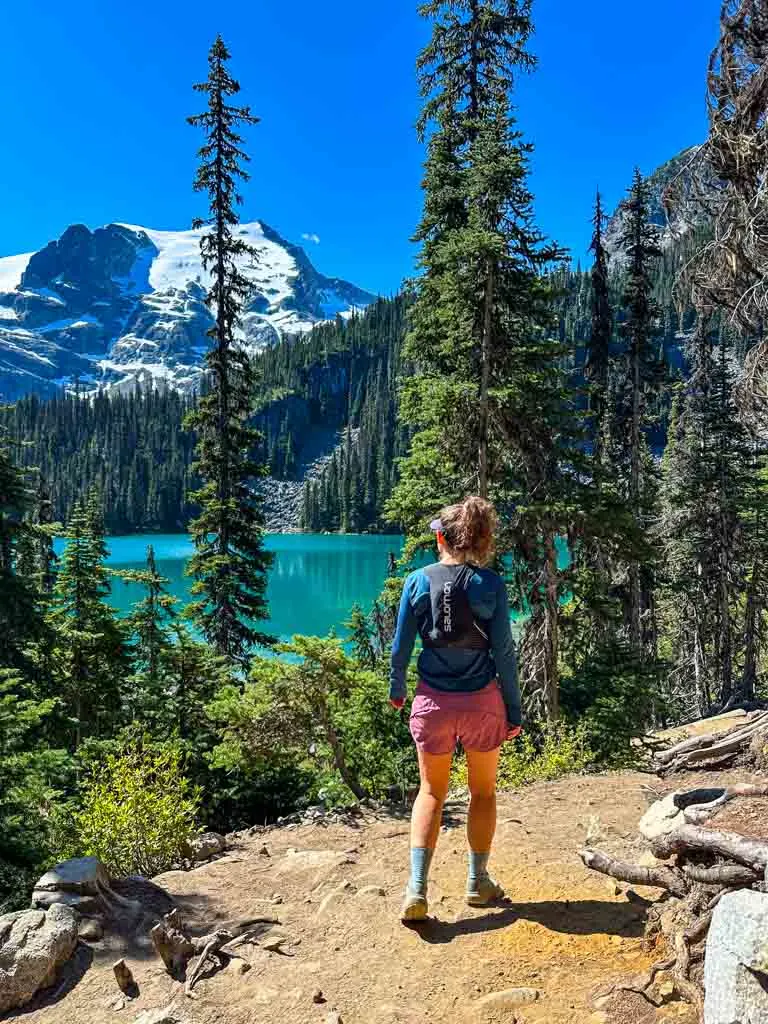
(30, 773)
(488, 403)
(641, 377)
(150, 623)
(20, 614)
(230, 564)
(361, 637)
(598, 354)
(89, 660)
(711, 503)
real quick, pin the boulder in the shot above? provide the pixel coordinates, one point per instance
(203, 847)
(662, 817)
(79, 883)
(34, 944)
(736, 965)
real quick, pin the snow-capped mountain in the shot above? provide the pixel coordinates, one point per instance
(125, 304)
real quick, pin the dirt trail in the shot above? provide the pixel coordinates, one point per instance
(563, 932)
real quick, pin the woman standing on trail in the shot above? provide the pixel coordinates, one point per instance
(467, 691)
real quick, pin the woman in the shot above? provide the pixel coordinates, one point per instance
(467, 691)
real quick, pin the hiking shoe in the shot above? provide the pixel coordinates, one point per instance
(484, 892)
(414, 906)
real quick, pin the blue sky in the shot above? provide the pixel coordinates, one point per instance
(93, 100)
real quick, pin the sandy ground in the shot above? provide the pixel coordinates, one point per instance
(336, 892)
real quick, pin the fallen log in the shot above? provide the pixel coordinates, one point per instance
(730, 875)
(709, 740)
(660, 877)
(752, 853)
(714, 749)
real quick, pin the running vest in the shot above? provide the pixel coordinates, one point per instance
(449, 620)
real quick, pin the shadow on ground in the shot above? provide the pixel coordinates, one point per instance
(570, 917)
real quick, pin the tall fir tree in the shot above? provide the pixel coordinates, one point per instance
(598, 353)
(489, 404)
(21, 621)
(230, 564)
(89, 660)
(150, 624)
(712, 500)
(641, 376)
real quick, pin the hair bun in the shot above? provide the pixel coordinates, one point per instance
(468, 528)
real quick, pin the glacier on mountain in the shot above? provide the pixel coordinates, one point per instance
(125, 305)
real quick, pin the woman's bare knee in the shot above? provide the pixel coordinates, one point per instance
(482, 769)
(482, 793)
(432, 792)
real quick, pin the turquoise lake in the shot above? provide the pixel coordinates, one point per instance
(314, 581)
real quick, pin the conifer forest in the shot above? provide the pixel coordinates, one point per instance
(614, 411)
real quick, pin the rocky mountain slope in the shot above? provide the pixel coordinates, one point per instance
(676, 174)
(125, 304)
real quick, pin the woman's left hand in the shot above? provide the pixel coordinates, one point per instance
(398, 704)
(514, 732)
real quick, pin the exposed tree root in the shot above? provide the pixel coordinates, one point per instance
(210, 949)
(732, 875)
(704, 865)
(658, 877)
(753, 853)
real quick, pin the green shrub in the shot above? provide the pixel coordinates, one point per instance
(541, 755)
(137, 812)
(615, 697)
(322, 713)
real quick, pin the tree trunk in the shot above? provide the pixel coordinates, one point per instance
(703, 696)
(725, 637)
(635, 599)
(339, 758)
(551, 629)
(485, 377)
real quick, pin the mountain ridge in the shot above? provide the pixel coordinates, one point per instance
(124, 304)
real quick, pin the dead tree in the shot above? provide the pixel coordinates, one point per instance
(724, 187)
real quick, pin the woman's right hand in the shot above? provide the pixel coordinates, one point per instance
(514, 732)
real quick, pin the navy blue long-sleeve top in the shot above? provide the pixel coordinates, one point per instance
(456, 669)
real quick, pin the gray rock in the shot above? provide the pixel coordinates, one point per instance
(736, 965)
(661, 818)
(82, 875)
(34, 944)
(91, 930)
(203, 847)
(78, 883)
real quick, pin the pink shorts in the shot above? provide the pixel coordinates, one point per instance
(439, 720)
